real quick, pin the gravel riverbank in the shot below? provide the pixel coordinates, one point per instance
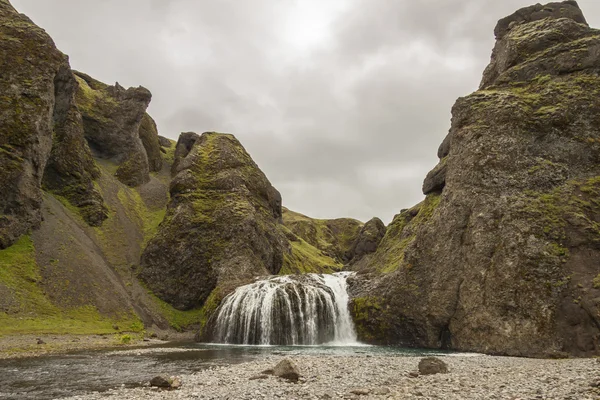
(385, 377)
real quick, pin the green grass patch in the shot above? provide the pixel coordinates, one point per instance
(305, 259)
(34, 312)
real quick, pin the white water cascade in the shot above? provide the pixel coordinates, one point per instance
(306, 309)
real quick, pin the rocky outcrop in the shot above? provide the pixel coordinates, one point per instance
(221, 226)
(368, 240)
(334, 238)
(502, 258)
(112, 120)
(38, 124)
(149, 136)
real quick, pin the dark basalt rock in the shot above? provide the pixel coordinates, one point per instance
(164, 142)
(221, 226)
(562, 9)
(368, 239)
(36, 109)
(436, 179)
(112, 116)
(504, 259)
(149, 135)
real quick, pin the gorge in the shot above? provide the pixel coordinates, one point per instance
(107, 227)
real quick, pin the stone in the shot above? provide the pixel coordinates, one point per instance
(431, 366)
(360, 392)
(160, 382)
(221, 227)
(164, 142)
(175, 382)
(40, 341)
(287, 369)
(413, 374)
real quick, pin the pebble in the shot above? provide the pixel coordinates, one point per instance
(384, 377)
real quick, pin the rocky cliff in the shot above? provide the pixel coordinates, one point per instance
(503, 255)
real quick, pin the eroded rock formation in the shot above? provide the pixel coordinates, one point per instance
(221, 226)
(112, 116)
(503, 256)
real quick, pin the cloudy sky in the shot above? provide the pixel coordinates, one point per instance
(342, 103)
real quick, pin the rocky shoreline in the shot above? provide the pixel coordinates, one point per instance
(21, 346)
(384, 377)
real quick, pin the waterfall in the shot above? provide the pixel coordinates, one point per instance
(288, 310)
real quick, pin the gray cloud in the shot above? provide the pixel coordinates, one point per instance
(341, 103)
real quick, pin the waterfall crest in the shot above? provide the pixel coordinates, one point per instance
(306, 309)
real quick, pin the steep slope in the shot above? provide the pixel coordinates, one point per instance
(503, 255)
(333, 237)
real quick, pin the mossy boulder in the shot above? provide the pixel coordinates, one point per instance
(221, 226)
(504, 260)
(333, 237)
(112, 120)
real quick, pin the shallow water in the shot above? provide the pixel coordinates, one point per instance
(52, 377)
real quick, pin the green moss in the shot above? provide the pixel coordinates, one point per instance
(35, 312)
(596, 282)
(334, 237)
(401, 233)
(185, 320)
(305, 258)
(147, 219)
(370, 319)
(169, 155)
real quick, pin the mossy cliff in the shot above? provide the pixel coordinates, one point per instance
(221, 227)
(112, 118)
(333, 237)
(502, 256)
(31, 64)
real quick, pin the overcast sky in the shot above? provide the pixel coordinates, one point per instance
(342, 103)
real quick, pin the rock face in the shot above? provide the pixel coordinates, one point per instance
(36, 110)
(149, 135)
(112, 116)
(221, 226)
(368, 240)
(502, 258)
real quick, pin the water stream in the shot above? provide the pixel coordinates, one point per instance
(308, 309)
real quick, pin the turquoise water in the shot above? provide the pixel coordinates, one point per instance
(51, 377)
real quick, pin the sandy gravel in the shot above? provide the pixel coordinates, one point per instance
(386, 377)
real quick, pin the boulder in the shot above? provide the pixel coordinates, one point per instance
(287, 369)
(431, 366)
(160, 382)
